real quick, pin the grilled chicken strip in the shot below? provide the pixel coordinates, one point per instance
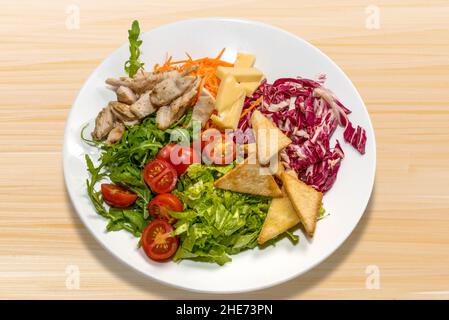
(172, 87)
(123, 113)
(169, 89)
(134, 101)
(103, 124)
(203, 108)
(125, 95)
(142, 81)
(116, 133)
(167, 115)
(143, 107)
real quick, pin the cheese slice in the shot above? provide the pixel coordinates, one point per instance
(229, 92)
(240, 74)
(228, 118)
(244, 60)
(250, 87)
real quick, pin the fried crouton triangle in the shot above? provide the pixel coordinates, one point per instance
(247, 178)
(270, 140)
(305, 200)
(280, 217)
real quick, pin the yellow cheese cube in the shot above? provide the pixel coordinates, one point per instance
(240, 74)
(218, 121)
(229, 91)
(250, 87)
(229, 118)
(244, 60)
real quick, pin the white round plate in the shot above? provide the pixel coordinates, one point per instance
(279, 54)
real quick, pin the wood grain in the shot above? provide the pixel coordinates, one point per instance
(400, 69)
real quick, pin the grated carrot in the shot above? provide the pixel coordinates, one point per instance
(206, 69)
(252, 106)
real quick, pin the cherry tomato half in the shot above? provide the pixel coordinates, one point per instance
(117, 196)
(180, 157)
(219, 148)
(156, 241)
(160, 176)
(159, 205)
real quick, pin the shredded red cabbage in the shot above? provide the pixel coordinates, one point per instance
(308, 114)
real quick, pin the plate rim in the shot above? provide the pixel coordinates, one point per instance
(182, 287)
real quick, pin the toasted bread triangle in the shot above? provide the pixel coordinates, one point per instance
(305, 200)
(275, 168)
(270, 140)
(247, 178)
(280, 168)
(280, 217)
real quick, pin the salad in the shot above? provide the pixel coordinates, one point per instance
(204, 158)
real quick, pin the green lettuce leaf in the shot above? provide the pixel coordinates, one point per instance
(217, 223)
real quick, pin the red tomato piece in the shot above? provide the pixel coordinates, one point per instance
(117, 196)
(160, 176)
(159, 205)
(180, 157)
(157, 243)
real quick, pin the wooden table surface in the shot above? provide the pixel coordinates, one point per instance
(399, 63)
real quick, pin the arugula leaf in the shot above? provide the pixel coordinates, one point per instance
(293, 237)
(95, 195)
(133, 64)
(123, 163)
(89, 141)
(322, 213)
